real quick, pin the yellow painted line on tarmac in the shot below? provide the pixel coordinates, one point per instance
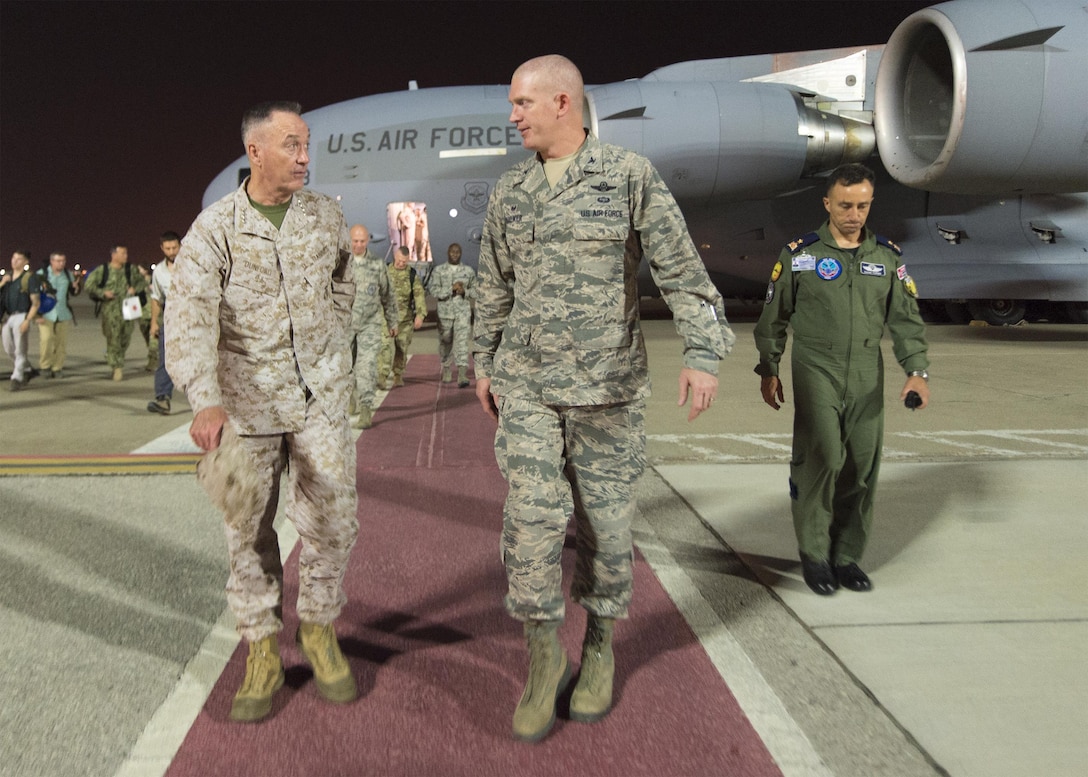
(120, 464)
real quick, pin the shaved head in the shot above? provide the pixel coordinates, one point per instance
(547, 96)
(555, 73)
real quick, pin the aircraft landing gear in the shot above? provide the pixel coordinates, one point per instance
(998, 312)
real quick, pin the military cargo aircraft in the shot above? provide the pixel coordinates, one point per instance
(974, 116)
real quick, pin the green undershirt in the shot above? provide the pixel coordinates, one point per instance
(274, 213)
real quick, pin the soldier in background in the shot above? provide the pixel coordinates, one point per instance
(257, 334)
(147, 331)
(53, 327)
(453, 285)
(170, 244)
(109, 284)
(412, 307)
(20, 297)
(561, 363)
(838, 288)
(375, 309)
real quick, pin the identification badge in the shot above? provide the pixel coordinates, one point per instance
(829, 268)
(804, 262)
(871, 268)
(776, 272)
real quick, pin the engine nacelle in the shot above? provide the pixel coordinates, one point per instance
(974, 101)
(726, 141)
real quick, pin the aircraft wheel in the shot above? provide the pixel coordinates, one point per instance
(998, 312)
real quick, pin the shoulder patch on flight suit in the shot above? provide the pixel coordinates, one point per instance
(770, 293)
(776, 272)
(881, 240)
(802, 241)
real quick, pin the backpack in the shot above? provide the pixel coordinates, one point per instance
(128, 279)
(48, 295)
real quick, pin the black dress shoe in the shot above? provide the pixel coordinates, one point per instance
(818, 576)
(850, 576)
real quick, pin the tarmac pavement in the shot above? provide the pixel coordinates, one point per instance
(966, 659)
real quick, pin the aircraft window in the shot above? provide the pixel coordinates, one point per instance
(408, 226)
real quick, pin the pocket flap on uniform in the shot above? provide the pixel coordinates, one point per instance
(602, 337)
(600, 232)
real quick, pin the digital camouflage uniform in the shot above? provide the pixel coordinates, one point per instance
(374, 311)
(117, 330)
(411, 301)
(557, 332)
(152, 343)
(454, 311)
(259, 322)
(838, 305)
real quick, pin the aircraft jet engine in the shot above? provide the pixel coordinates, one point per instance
(971, 101)
(726, 141)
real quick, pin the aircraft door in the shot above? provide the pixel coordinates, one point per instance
(409, 226)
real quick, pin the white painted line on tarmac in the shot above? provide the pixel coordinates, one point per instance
(162, 736)
(972, 442)
(782, 736)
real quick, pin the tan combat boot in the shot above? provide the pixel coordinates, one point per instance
(331, 671)
(118, 373)
(264, 676)
(447, 375)
(462, 377)
(592, 697)
(364, 419)
(549, 674)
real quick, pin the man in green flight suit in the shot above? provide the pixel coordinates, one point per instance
(838, 288)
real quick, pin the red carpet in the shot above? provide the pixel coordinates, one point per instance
(440, 665)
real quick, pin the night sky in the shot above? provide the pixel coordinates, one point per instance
(115, 116)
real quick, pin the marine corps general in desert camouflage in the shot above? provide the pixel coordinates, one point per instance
(560, 360)
(257, 334)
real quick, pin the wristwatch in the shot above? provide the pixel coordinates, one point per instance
(919, 374)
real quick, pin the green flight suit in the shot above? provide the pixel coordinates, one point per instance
(838, 302)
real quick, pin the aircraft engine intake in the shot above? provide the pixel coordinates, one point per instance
(726, 141)
(969, 101)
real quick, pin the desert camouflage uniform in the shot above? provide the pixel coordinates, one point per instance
(394, 352)
(454, 311)
(117, 331)
(558, 334)
(374, 311)
(258, 323)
